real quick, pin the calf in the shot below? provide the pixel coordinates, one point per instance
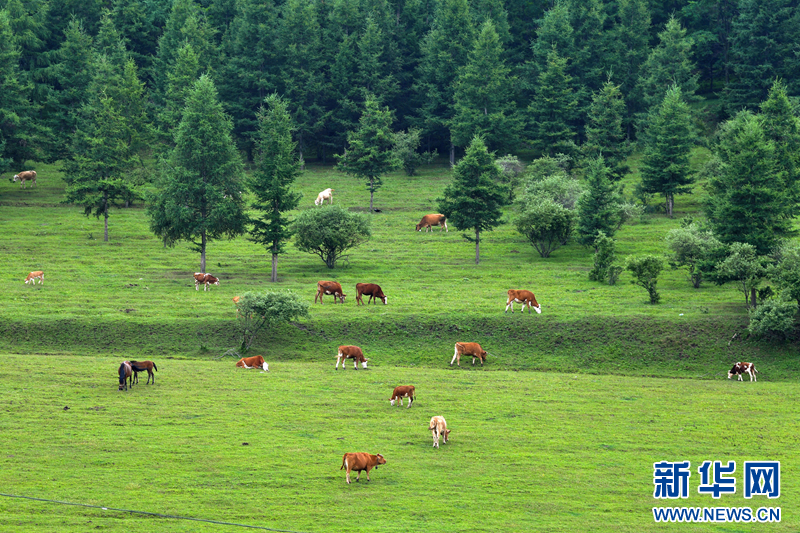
(403, 391)
(371, 290)
(468, 348)
(253, 362)
(526, 298)
(360, 462)
(205, 279)
(428, 221)
(327, 194)
(33, 276)
(743, 368)
(438, 426)
(350, 352)
(22, 177)
(329, 287)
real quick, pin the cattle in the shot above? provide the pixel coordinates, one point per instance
(526, 298)
(466, 349)
(329, 287)
(253, 362)
(327, 194)
(22, 177)
(350, 352)
(438, 426)
(371, 290)
(428, 221)
(205, 279)
(33, 276)
(360, 462)
(403, 391)
(743, 368)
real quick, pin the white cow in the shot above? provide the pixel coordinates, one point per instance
(327, 194)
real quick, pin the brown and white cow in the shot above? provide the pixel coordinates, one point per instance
(432, 220)
(253, 362)
(327, 194)
(360, 462)
(33, 276)
(351, 352)
(22, 177)
(329, 287)
(466, 349)
(205, 279)
(403, 391)
(372, 290)
(743, 368)
(438, 426)
(526, 298)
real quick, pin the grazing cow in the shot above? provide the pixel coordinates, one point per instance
(526, 298)
(743, 368)
(141, 366)
(33, 276)
(253, 362)
(428, 221)
(403, 391)
(205, 279)
(351, 352)
(327, 194)
(125, 375)
(371, 290)
(466, 349)
(360, 462)
(329, 287)
(28, 175)
(438, 426)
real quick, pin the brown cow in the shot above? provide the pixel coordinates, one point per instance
(403, 391)
(526, 298)
(205, 279)
(371, 290)
(26, 176)
(360, 462)
(468, 348)
(432, 220)
(438, 426)
(350, 352)
(743, 368)
(252, 362)
(33, 276)
(330, 287)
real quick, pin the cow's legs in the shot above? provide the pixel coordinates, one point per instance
(339, 358)
(368, 479)
(409, 402)
(510, 304)
(454, 358)
(348, 476)
(355, 363)
(435, 438)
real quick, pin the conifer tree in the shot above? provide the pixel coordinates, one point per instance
(629, 40)
(604, 132)
(782, 127)
(598, 208)
(179, 83)
(138, 24)
(553, 108)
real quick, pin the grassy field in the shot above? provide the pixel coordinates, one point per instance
(528, 451)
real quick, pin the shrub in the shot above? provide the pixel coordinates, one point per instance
(546, 224)
(259, 310)
(511, 170)
(604, 256)
(330, 231)
(406, 145)
(646, 269)
(773, 317)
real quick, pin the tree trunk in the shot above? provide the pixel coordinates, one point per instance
(203, 252)
(670, 204)
(371, 193)
(477, 246)
(452, 155)
(105, 216)
(753, 297)
(274, 267)
(300, 150)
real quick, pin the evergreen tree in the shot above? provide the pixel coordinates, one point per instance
(604, 132)
(473, 200)
(200, 195)
(28, 22)
(369, 154)
(276, 168)
(668, 143)
(139, 25)
(782, 127)
(179, 83)
(598, 207)
(553, 108)
(591, 63)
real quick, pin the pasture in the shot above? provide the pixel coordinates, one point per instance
(529, 451)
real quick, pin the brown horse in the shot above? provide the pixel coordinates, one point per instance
(141, 366)
(125, 372)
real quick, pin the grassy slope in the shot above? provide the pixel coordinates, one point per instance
(529, 451)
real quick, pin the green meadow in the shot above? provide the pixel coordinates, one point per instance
(558, 432)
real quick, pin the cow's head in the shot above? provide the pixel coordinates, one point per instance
(364, 363)
(384, 299)
(342, 296)
(735, 370)
(265, 366)
(419, 226)
(381, 460)
(446, 434)
(538, 309)
(16, 177)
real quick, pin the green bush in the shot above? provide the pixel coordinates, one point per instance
(773, 317)
(646, 269)
(330, 231)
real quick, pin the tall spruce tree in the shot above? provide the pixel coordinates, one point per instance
(782, 127)
(553, 109)
(200, 195)
(605, 134)
(598, 208)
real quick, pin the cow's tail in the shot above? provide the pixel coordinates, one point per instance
(155, 367)
(344, 461)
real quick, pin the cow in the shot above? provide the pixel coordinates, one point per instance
(526, 298)
(360, 462)
(329, 287)
(253, 362)
(438, 426)
(205, 279)
(141, 366)
(26, 176)
(403, 391)
(466, 349)
(327, 194)
(351, 352)
(433, 220)
(371, 290)
(33, 276)
(743, 368)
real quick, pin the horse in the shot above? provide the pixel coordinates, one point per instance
(141, 366)
(125, 372)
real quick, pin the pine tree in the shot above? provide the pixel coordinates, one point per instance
(179, 83)
(604, 132)
(473, 200)
(598, 207)
(668, 143)
(782, 127)
(200, 196)
(553, 108)
(138, 26)
(276, 168)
